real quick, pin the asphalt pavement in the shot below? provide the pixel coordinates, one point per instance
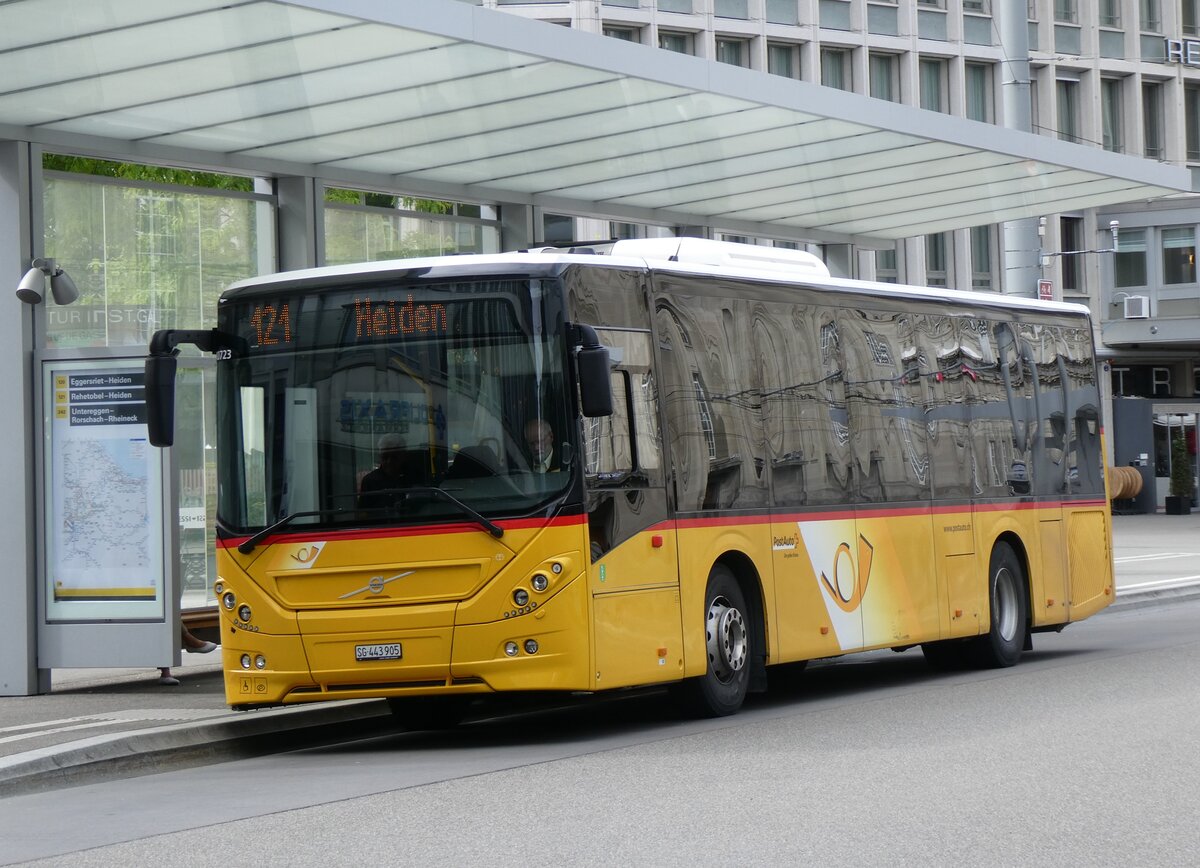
(102, 723)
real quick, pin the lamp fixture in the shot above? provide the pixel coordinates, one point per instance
(32, 288)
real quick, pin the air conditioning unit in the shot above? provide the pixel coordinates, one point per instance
(1137, 307)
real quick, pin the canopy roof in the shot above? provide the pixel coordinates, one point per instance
(445, 98)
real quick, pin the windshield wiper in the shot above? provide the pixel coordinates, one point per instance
(252, 543)
(492, 528)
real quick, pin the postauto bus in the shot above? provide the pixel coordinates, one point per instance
(665, 461)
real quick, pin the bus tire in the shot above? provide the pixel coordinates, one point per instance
(1001, 646)
(728, 642)
(428, 712)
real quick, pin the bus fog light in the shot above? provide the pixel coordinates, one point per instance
(511, 649)
(260, 662)
(244, 612)
(540, 582)
(245, 661)
(229, 600)
(521, 597)
(531, 646)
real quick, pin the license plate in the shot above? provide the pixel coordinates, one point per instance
(386, 651)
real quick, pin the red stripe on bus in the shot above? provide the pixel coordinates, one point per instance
(868, 513)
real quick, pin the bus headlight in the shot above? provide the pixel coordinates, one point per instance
(244, 612)
(539, 582)
(521, 597)
(531, 646)
(229, 600)
(511, 649)
(245, 661)
(260, 662)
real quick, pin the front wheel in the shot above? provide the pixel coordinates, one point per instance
(1002, 645)
(728, 643)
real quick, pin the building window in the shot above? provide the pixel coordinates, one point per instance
(882, 73)
(1189, 11)
(1152, 121)
(1150, 16)
(1110, 13)
(627, 34)
(1129, 262)
(1067, 93)
(981, 257)
(1111, 116)
(1035, 112)
(1070, 235)
(835, 68)
(932, 4)
(978, 91)
(557, 229)
(978, 7)
(1066, 12)
(735, 52)
(882, 68)
(885, 266)
(1191, 119)
(935, 259)
(783, 58)
(933, 90)
(1179, 255)
(681, 43)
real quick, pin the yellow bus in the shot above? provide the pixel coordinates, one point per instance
(659, 461)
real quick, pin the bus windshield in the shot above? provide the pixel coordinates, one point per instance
(392, 403)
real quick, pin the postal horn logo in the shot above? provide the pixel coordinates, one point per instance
(306, 555)
(848, 588)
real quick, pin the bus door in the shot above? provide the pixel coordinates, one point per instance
(884, 570)
(634, 575)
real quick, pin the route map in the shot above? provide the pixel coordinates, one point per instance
(105, 521)
(104, 540)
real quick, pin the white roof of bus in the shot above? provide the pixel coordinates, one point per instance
(694, 256)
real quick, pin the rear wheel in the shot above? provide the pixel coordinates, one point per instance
(1002, 644)
(728, 643)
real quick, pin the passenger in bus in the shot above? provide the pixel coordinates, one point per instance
(398, 468)
(539, 437)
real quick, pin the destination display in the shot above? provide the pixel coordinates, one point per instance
(104, 504)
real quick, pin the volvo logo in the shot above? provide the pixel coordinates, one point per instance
(375, 584)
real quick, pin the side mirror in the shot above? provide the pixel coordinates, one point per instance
(160, 399)
(595, 383)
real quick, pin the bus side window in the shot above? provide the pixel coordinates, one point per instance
(609, 442)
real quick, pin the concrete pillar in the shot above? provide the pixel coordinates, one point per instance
(300, 221)
(1022, 266)
(19, 675)
(518, 229)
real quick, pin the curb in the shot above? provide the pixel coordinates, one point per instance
(1152, 597)
(164, 748)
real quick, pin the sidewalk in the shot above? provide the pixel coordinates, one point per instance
(121, 721)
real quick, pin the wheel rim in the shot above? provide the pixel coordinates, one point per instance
(1006, 604)
(726, 638)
